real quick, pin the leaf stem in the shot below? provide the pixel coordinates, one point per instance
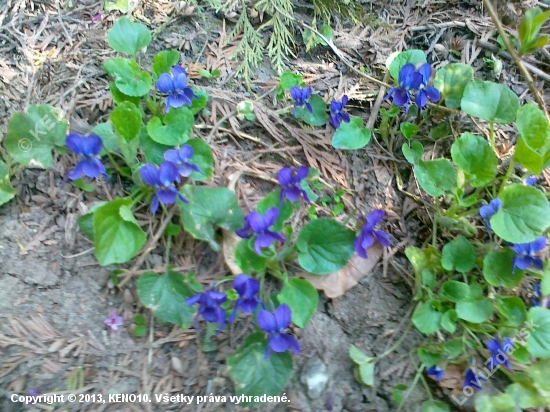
(492, 135)
(507, 175)
(395, 345)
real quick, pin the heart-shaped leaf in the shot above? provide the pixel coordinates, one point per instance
(352, 135)
(490, 101)
(451, 81)
(128, 37)
(128, 78)
(174, 129)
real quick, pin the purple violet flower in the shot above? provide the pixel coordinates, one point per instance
(162, 179)
(290, 180)
(209, 307)
(256, 224)
(488, 211)
(525, 255)
(498, 352)
(536, 299)
(337, 114)
(175, 85)
(368, 235)
(275, 325)
(531, 181)
(248, 289)
(424, 92)
(88, 147)
(181, 159)
(435, 372)
(473, 380)
(301, 97)
(409, 80)
(113, 321)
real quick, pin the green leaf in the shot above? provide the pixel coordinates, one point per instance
(533, 145)
(253, 374)
(247, 259)
(435, 406)
(459, 255)
(7, 192)
(108, 136)
(426, 318)
(428, 358)
(164, 61)
(127, 120)
(512, 308)
(325, 246)
(319, 115)
(523, 216)
(366, 373)
(498, 269)
(435, 176)
(426, 263)
(117, 235)
(397, 393)
(119, 97)
(495, 403)
(273, 200)
(352, 135)
(302, 298)
(408, 130)
(475, 157)
(128, 78)
(397, 60)
(540, 372)
(455, 291)
(174, 129)
(32, 136)
(165, 295)
(413, 153)
(448, 321)
(208, 208)
(289, 79)
(202, 157)
(128, 37)
(538, 343)
(451, 81)
(490, 101)
(526, 396)
(120, 5)
(476, 311)
(529, 29)
(198, 104)
(453, 348)
(545, 282)
(86, 222)
(153, 151)
(357, 356)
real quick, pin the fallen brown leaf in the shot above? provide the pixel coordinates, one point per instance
(338, 283)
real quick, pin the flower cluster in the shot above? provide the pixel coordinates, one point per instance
(175, 85)
(89, 148)
(177, 164)
(274, 324)
(411, 80)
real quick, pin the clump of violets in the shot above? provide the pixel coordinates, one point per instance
(473, 380)
(435, 372)
(275, 324)
(113, 321)
(248, 300)
(525, 254)
(537, 298)
(301, 96)
(337, 114)
(209, 307)
(89, 148)
(182, 160)
(488, 211)
(258, 225)
(498, 351)
(163, 180)
(368, 234)
(409, 80)
(426, 92)
(290, 179)
(175, 85)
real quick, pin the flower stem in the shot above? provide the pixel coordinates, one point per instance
(395, 345)
(492, 135)
(168, 246)
(507, 175)
(116, 166)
